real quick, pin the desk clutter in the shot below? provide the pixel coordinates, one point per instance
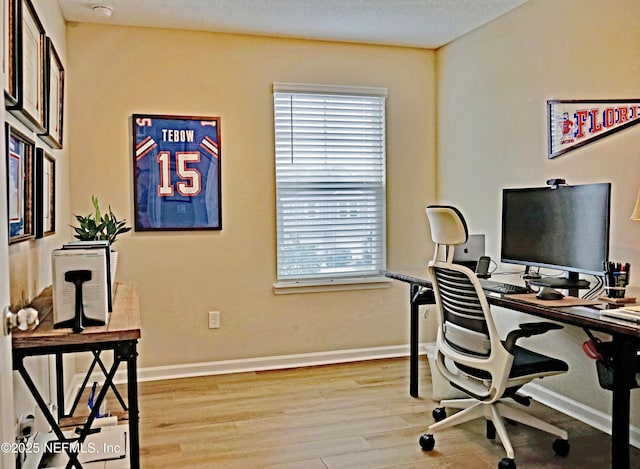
(616, 278)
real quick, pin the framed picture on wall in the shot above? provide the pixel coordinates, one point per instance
(10, 62)
(45, 194)
(53, 96)
(20, 171)
(176, 168)
(30, 40)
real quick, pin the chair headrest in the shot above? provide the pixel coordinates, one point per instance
(447, 225)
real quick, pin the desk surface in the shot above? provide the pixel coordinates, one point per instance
(581, 316)
(124, 323)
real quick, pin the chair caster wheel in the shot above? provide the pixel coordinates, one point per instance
(507, 463)
(427, 442)
(561, 447)
(439, 413)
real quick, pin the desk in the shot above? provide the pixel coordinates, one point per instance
(120, 335)
(625, 345)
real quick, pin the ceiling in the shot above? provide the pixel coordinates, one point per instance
(415, 23)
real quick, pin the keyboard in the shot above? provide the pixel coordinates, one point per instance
(503, 288)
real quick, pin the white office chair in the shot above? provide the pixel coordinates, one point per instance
(488, 369)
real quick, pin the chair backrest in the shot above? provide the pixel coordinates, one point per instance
(467, 334)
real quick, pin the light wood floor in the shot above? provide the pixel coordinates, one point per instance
(357, 415)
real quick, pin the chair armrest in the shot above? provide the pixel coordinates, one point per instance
(527, 330)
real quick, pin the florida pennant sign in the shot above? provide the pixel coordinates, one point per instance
(573, 124)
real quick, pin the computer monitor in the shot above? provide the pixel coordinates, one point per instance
(565, 228)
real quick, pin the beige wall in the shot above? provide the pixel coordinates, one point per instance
(492, 90)
(117, 71)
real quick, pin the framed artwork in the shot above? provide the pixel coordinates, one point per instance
(574, 124)
(20, 171)
(53, 97)
(45, 194)
(30, 40)
(176, 168)
(10, 62)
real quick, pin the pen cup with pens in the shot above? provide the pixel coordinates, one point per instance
(616, 279)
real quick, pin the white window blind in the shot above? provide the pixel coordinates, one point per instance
(330, 181)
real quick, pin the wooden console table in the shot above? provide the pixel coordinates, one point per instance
(120, 335)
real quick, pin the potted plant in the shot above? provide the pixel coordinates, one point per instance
(99, 227)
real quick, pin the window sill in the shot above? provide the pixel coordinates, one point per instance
(328, 285)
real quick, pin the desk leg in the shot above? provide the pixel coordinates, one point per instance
(60, 385)
(132, 393)
(414, 338)
(624, 365)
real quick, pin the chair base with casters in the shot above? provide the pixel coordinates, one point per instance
(495, 414)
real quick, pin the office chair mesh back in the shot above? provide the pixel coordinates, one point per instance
(466, 327)
(464, 322)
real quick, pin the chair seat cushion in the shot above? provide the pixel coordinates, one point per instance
(525, 363)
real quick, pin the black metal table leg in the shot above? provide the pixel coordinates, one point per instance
(132, 393)
(624, 362)
(414, 339)
(418, 296)
(60, 384)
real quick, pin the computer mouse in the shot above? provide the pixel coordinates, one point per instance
(548, 293)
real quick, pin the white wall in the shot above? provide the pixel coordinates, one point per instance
(493, 85)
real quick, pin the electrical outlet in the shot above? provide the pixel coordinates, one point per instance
(214, 319)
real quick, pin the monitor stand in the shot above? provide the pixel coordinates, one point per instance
(571, 282)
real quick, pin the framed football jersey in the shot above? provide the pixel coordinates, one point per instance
(176, 164)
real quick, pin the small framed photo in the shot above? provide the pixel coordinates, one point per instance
(45, 194)
(29, 107)
(176, 168)
(53, 97)
(20, 171)
(10, 62)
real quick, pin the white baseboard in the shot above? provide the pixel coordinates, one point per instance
(245, 365)
(590, 416)
(271, 363)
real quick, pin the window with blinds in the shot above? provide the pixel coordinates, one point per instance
(330, 182)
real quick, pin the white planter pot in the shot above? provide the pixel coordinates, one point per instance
(114, 266)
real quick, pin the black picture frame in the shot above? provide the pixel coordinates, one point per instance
(45, 194)
(176, 172)
(20, 185)
(29, 107)
(53, 97)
